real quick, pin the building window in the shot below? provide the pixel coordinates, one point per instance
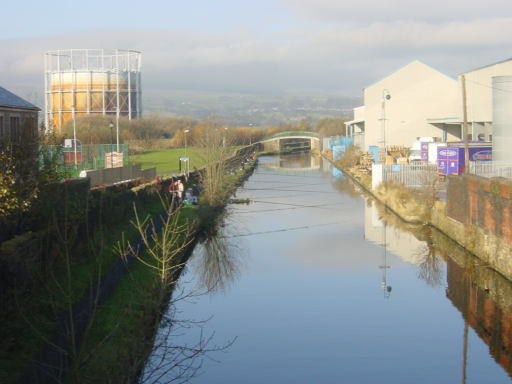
(15, 126)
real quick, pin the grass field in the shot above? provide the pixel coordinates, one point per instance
(166, 161)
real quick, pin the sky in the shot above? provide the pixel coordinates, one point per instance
(265, 46)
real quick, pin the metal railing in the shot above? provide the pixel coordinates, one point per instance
(410, 175)
(491, 168)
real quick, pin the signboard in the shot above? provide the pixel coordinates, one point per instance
(451, 161)
(480, 155)
(114, 159)
(424, 152)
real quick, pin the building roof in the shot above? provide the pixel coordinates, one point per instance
(405, 66)
(9, 99)
(354, 121)
(488, 65)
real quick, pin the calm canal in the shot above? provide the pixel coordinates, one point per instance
(316, 284)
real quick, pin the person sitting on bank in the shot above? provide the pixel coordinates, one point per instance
(180, 190)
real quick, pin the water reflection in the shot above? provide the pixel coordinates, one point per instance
(218, 262)
(307, 306)
(344, 185)
(431, 270)
(298, 162)
(381, 231)
(483, 296)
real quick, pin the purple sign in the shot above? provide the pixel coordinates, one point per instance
(480, 155)
(450, 161)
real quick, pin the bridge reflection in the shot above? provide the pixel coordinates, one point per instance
(298, 164)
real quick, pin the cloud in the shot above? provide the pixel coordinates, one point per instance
(368, 11)
(333, 57)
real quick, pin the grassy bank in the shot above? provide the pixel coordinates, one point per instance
(32, 316)
(124, 326)
(30, 321)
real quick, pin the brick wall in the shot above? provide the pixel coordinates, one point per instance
(483, 202)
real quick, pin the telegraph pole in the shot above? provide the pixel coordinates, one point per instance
(465, 124)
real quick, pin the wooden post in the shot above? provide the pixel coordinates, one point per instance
(465, 124)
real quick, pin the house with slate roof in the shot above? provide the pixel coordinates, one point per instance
(18, 118)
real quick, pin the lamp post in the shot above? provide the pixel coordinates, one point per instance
(74, 132)
(385, 96)
(185, 132)
(224, 138)
(111, 125)
(117, 129)
(250, 133)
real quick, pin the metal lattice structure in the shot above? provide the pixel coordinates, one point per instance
(81, 82)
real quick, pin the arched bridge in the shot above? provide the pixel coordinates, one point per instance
(292, 140)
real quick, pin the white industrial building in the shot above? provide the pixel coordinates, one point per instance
(397, 108)
(479, 101)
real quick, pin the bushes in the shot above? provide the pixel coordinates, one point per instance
(351, 158)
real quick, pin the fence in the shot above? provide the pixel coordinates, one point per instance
(410, 175)
(491, 168)
(109, 176)
(92, 156)
(88, 157)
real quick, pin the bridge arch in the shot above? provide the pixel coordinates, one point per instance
(292, 139)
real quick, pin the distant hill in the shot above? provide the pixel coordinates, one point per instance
(245, 109)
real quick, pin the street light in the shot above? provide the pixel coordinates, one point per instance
(117, 127)
(385, 96)
(185, 132)
(111, 125)
(250, 133)
(186, 157)
(74, 131)
(224, 139)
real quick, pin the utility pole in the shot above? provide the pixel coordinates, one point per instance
(465, 124)
(385, 96)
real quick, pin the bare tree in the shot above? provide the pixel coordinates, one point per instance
(215, 151)
(429, 181)
(165, 360)
(164, 245)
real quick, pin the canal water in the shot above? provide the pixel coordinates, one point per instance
(313, 283)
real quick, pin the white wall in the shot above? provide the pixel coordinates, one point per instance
(479, 90)
(417, 92)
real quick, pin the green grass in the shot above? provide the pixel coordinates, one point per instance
(166, 161)
(122, 323)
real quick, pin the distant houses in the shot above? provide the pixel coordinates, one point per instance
(419, 101)
(18, 118)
